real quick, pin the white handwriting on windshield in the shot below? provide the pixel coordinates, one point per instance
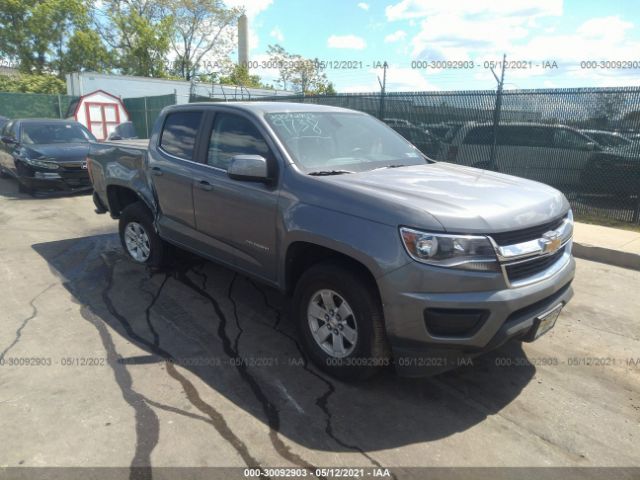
(298, 124)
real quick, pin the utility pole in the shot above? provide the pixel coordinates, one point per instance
(496, 113)
(383, 88)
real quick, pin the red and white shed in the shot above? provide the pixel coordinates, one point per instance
(100, 112)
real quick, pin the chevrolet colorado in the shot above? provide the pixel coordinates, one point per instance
(388, 256)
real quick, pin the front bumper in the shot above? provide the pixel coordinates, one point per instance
(504, 312)
(68, 181)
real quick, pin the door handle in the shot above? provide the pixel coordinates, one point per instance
(204, 185)
(156, 171)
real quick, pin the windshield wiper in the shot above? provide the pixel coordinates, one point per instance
(324, 173)
(392, 166)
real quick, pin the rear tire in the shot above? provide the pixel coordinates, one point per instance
(139, 237)
(340, 320)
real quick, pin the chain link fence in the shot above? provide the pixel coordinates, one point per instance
(585, 142)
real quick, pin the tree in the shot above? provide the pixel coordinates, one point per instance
(86, 52)
(606, 107)
(301, 74)
(239, 75)
(36, 32)
(202, 31)
(137, 33)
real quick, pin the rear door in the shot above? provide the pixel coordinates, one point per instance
(475, 148)
(170, 168)
(238, 218)
(571, 152)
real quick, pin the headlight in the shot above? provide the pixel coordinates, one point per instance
(467, 252)
(42, 164)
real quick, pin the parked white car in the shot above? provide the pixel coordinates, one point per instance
(397, 122)
(552, 154)
(608, 139)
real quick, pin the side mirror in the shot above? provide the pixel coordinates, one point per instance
(248, 168)
(9, 140)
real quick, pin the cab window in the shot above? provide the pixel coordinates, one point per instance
(234, 135)
(179, 133)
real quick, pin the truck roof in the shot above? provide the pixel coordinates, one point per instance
(273, 107)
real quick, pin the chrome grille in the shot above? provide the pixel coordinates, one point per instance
(528, 268)
(526, 234)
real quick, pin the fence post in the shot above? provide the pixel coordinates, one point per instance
(146, 117)
(60, 107)
(383, 89)
(496, 115)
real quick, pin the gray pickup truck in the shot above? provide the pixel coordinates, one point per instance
(388, 256)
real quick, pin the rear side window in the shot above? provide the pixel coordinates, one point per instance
(564, 138)
(179, 133)
(10, 130)
(234, 135)
(525, 136)
(479, 136)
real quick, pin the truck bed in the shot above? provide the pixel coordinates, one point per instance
(142, 143)
(119, 163)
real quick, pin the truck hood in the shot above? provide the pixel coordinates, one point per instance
(461, 199)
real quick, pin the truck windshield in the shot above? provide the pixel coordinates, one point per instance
(326, 142)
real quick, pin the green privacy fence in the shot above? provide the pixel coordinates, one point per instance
(143, 111)
(585, 142)
(33, 105)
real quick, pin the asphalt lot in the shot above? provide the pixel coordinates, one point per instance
(85, 376)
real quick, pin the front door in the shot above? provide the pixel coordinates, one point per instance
(102, 118)
(237, 217)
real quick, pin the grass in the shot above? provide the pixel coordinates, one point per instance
(595, 220)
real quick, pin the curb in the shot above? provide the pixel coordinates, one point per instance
(606, 255)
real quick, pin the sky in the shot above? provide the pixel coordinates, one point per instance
(546, 41)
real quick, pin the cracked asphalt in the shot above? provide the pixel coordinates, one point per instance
(106, 364)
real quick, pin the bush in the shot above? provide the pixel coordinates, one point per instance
(27, 83)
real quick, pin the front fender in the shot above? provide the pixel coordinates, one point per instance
(375, 245)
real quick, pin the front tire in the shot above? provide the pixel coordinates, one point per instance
(138, 236)
(340, 320)
(22, 188)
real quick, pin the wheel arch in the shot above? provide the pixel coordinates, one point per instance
(302, 255)
(119, 197)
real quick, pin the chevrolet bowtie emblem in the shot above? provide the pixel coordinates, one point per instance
(550, 241)
(84, 165)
